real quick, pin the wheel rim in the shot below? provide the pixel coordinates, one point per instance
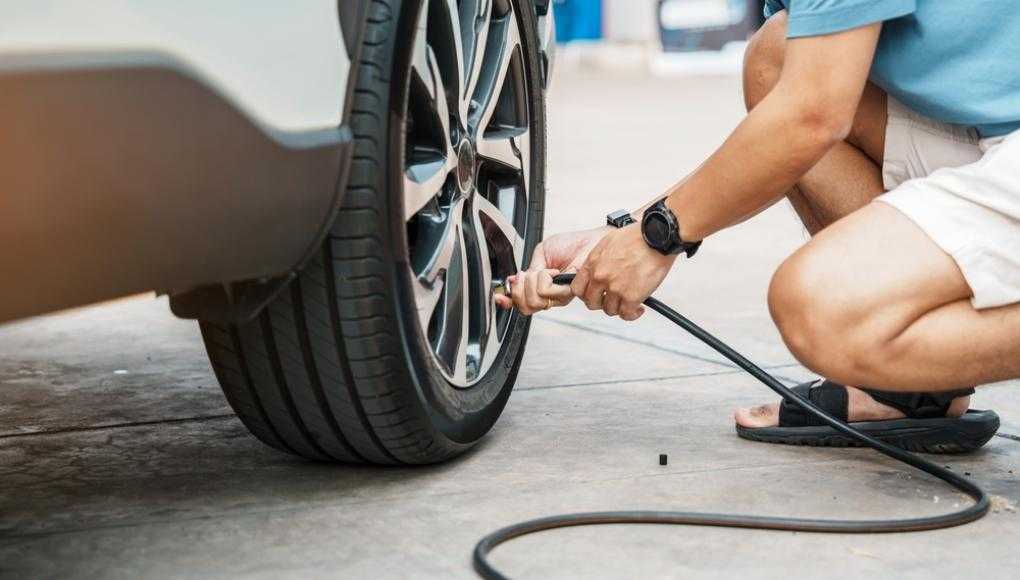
(466, 177)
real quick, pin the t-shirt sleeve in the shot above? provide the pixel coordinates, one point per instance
(773, 6)
(818, 17)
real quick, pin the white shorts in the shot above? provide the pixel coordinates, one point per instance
(964, 192)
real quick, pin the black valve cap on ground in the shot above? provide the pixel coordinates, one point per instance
(663, 459)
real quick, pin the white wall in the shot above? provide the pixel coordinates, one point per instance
(630, 20)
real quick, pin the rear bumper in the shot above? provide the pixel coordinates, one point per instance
(124, 173)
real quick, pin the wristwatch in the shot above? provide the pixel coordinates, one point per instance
(619, 218)
(661, 231)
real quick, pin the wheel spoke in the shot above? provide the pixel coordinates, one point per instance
(426, 69)
(435, 251)
(424, 65)
(452, 346)
(476, 17)
(501, 225)
(503, 148)
(449, 42)
(422, 182)
(504, 43)
(419, 54)
(428, 163)
(491, 341)
(487, 304)
(450, 334)
(426, 300)
(438, 249)
(460, 368)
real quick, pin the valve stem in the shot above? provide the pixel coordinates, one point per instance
(501, 287)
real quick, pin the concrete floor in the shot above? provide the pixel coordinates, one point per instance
(120, 458)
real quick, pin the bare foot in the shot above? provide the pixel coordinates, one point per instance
(861, 407)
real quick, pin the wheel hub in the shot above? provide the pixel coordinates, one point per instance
(466, 167)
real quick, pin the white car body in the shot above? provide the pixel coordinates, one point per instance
(283, 63)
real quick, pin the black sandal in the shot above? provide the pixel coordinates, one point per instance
(925, 428)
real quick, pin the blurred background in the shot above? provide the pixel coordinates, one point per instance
(663, 36)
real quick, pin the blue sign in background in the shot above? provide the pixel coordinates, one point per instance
(578, 19)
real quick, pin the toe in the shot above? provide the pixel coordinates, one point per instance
(756, 417)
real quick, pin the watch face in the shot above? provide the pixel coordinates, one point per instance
(656, 230)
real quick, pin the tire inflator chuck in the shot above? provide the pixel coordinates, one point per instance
(963, 516)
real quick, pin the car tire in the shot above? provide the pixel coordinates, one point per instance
(342, 366)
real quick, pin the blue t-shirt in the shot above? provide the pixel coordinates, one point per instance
(953, 61)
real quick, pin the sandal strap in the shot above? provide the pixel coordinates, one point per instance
(831, 397)
(919, 405)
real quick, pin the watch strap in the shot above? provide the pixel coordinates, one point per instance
(691, 248)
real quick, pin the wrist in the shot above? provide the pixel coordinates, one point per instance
(661, 230)
(690, 229)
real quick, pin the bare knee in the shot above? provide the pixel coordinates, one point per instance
(791, 304)
(763, 59)
(825, 330)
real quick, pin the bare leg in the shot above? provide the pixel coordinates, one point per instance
(845, 180)
(903, 322)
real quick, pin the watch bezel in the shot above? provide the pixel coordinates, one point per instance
(662, 245)
(673, 244)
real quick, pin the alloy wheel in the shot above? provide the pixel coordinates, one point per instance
(466, 177)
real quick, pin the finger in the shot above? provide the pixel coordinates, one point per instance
(580, 283)
(536, 302)
(504, 302)
(594, 294)
(631, 313)
(559, 294)
(611, 304)
(591, 290)
(518, 294)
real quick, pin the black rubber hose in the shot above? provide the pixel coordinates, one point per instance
(963, 516)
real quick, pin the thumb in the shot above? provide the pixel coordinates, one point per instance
(559, 294)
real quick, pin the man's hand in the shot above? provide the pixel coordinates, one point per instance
(620, 273)
(533, 290)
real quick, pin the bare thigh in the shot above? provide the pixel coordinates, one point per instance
(873, 300)
(879, 268)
